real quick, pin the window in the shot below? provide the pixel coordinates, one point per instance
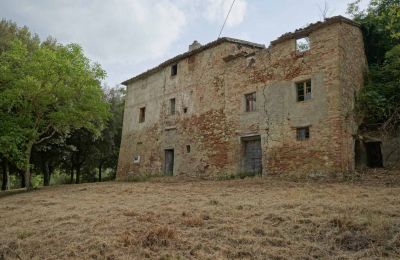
(174, 69)
(185, 109)
(188, 148)
(303, 133)
(303, 44)
(142, 114)
(172, 106)
(303, 90)
(136, 159)
(250, 102)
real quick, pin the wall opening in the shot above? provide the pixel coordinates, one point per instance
(250, 102)
(374, 154)
(303, 44)
(360, 155)
(303, 90)
(252, 155)
(172, 106)
(142, 114)
(174, 69)
(169, 162)
(188, 148)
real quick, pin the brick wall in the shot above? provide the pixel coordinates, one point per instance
(210, 86)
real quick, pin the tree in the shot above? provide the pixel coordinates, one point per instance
(6, 174)
(379, 102)
(107, 148)
(50, 90)
(48, 156)
(88, 152)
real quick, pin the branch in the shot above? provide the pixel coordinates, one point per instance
(47, 137)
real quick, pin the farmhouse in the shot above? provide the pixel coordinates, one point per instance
(233, 106)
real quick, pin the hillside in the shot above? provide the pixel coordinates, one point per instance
(250, 218)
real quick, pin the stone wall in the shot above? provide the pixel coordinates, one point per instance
(210, 86)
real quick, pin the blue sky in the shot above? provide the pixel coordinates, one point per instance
(128, 37)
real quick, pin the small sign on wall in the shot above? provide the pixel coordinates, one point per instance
(136, 159)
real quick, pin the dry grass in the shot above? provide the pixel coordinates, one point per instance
(244, 219)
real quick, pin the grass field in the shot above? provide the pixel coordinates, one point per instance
(169, 219)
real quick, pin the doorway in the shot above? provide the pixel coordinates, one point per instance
(252, 155)
(169, 162)
(374, 154)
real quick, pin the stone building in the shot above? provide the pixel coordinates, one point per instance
(232, 106)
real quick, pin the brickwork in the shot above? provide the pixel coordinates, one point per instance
(210, 117)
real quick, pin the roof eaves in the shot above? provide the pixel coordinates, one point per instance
(190, 53)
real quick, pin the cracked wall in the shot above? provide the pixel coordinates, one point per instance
(210, 86)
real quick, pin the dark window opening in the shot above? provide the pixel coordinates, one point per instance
(174, 69)
(172, 106)
(142, 114)
(250, 102)
(303, 133)
(374, 154)
(185, 110)
(188, 148)
(303, 90)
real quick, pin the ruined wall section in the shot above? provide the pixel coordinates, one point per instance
(199, 120)
(210, 115)
(353, 68)
(273, 75)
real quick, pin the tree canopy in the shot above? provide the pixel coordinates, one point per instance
(46, 89)
(379, 102)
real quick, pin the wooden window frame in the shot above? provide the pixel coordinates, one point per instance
(300, 136)
(304, 90)
(250, 102)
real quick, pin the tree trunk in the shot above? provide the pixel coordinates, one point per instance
(6, 175)
(22, 175)
(100, 166)
(46, 173)
(28, 166)
(51, 170)
(78, 174)
(72, 175)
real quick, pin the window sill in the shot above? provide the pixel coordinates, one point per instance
(304, 101)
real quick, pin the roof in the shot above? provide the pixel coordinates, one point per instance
(192, 52)
(302, 32)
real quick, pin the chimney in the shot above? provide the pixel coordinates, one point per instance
(194, 45)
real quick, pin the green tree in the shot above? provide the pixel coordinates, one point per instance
(88, 153)
(50, 90)
(379, 102)
(106, 148)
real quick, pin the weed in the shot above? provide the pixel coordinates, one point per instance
(158, 235)
(22, 234)
(194, 221)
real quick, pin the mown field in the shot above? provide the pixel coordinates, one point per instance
(255, 218)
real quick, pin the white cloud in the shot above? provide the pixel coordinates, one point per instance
(216, 11)
(112, 32)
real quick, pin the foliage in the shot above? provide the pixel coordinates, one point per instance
(44, 91)
(379, 101)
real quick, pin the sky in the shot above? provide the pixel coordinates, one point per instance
(128, 37)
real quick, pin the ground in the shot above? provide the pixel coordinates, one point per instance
(168, 218)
